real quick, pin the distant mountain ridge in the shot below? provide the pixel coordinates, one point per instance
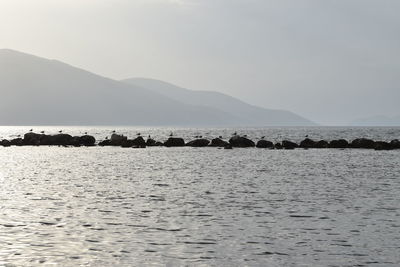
(253, 115)
(35, 90)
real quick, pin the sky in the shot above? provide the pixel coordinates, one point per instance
(331, 61)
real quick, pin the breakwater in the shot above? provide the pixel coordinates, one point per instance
(236, 141)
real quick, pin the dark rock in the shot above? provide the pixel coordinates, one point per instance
(264, 144)
(307, 143)
(228, 146)
(380, 145)
(126, 143)
(87, 140)
(32, 139)
(5, 143)
(17, 142)
(321, 144)
(106, 142)
(150, 142)
(278, 146)
(363, 143)
(341, 143)
(117, 140)
(289, 144)
(239, 141)
(158, 143)
(174, 141)
(218, 142)
(395, 144)
(198, 143)
(139, 142)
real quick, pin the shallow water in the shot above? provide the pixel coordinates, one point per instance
(110, 206)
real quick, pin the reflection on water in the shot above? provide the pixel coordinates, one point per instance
(185, 206)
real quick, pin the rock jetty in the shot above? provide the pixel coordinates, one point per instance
(236, 141)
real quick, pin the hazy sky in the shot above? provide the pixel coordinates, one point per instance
(329, 60)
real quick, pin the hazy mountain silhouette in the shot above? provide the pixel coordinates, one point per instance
(250, 114)
(377, 121)
(35, 90)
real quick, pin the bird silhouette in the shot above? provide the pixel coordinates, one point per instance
(138, 134)
(85, 132)
(113, 131)
(220, 136)
(42, 132)
(262, 137)
(306, 135)
(171, 134)
(60, 131)
(235, 133)
(31, 130)
(106, 137)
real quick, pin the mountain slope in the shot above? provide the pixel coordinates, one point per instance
(35, 90)
(249, 114)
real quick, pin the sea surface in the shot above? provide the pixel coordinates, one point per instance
(112, 206)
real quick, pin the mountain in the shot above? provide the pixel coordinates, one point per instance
(377, 121)
(38, 91)
(251, 115)
(48, 92)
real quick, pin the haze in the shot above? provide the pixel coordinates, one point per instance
(330, 61)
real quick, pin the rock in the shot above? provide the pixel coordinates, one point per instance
(289, 144)
(321, 144)
(150, 142)
(198, 143)
(106, 142)
(32, 139)
(5, 143)
(341, 143)
(363, 143)
(278, 146)
(395, 144)
(17, 142)
(139, 142)
(264, 144)
(174, 141)
(126, 143)
(158, 143)
(87, 140)
(117, 140)
(380, 145)
(239, 141)
(218, 142)
(307, 143)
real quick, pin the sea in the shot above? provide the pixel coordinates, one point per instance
(158, 206)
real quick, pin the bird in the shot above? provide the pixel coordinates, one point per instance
(149, 137)
(138, 134)
(171, 134)
(60, 131)
(220, 136)
(200, 136)
(42, 132)
(85, 132)
(306, 135)
(245, 135)
(262, 137)
(235, 133)
(113, 131)
(106, 137)
(31, 130)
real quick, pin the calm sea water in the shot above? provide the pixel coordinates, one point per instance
(111, 206)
